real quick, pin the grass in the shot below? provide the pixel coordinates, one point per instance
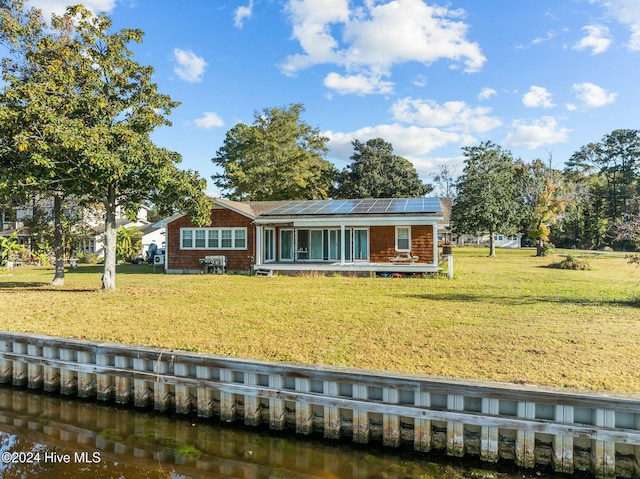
(509, 318)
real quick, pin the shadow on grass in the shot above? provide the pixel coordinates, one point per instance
(22, 285)
(42, 287)
(120, 269)
(633, 302)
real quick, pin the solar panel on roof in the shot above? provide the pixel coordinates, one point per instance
(357, 206)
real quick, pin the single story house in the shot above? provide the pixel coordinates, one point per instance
(396, 235)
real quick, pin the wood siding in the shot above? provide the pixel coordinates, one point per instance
(382, 243)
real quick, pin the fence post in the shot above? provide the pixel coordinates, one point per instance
(304, 411)
(422, 427)
(35, 376)
(455, 430)
(51, 374)
(204, 394)
(563, 445)
(390, 422)
(227, 400)
(6, 366)
(361, 426)
(525, 440)
(331, 413)
(20, 374)
(86, 381)
(489, 435)
(604, 452)
(276, 406)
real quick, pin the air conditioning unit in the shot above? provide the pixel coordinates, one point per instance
(158, 260)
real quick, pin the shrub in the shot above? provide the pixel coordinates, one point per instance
(88, 258)
(547, 249)
(571, 262)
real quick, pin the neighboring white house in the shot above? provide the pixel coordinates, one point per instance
(500, 240)
(445, 234)
(93, 218)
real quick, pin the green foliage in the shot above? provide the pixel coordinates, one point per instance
(78, 113)
(489, 193)
(571, 262)
(543, 202)
(278, 157)
(88, 258)
(10, 247)
(375, 172)
(611, 169)
(128, 243)
(546, 249)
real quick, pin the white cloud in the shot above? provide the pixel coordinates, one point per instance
(548, 37)
(209, 120)
(593, 96)
(486, 93)
(368, 41)
(242, 13)
(537, 97)
(597, 39)
(626, 12)
(59, 6)
(357, 84)
(406, 141)
(189, 66)
(455, 115)
(544, 131)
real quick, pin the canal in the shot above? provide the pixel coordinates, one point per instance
(49, 436)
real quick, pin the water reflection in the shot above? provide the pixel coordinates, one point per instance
(44, 436)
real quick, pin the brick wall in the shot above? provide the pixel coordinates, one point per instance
(237, 260)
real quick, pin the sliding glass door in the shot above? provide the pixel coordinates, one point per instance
(360, 244)
(287, 248)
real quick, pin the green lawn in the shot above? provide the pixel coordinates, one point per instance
(508, 318)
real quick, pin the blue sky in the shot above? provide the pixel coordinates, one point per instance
(539, 77)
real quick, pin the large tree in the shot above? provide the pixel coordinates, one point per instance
(278, 157)
(544, 201)
(489, 195)
(375, 172)
(78, 112)
(615, 159)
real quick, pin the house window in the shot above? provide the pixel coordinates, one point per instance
(227, 238)
(240, 238)
(187, 239)
(403, 238)
(200, 239)
(213, 238)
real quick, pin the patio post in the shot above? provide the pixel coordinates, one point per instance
(258, 256)
(342, 252)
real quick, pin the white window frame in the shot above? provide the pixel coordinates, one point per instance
(408, 248)
(238, 240)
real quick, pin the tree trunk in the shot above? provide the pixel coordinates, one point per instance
(540, 247)
(58, 247)
(109, 272)
(492, 245)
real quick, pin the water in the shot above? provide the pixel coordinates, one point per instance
(46, 436)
